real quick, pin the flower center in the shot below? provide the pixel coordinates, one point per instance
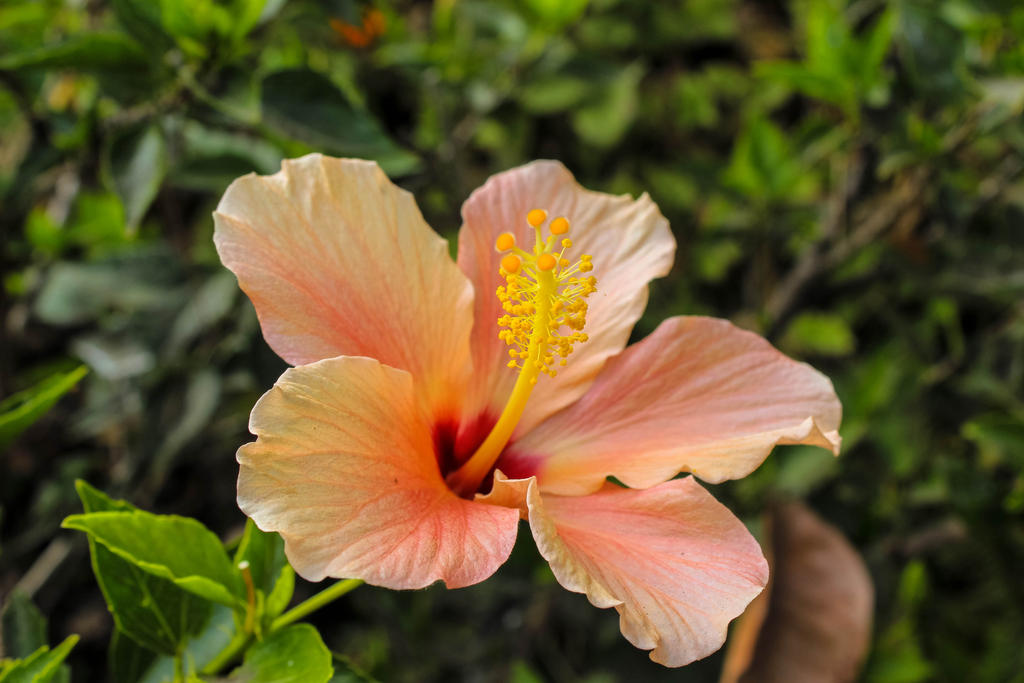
(544, 299)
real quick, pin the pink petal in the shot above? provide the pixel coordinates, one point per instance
(675, 563)
(344, 469)
(339, 261)
(698, 395)
(629, 240)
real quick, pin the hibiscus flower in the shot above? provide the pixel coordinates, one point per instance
(435, 403)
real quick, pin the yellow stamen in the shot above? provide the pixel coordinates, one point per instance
(544, 312)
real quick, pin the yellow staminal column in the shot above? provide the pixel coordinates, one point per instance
(542, 294)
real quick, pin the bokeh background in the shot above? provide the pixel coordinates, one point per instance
(842, 177)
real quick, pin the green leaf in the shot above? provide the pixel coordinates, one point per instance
(152, 611)
(826, 36)
(128, 660)
(98, 223)
(604, 121)
(878, 42)
(245, 14)
(39, 667)
(557, 13)
(94, 500)
(210, 304)
(142, 282)
(281, 594)
(156, 544)
(693, 97)
(522, 673)
(20, 410)
(764, 165)
(999, 438)
(191, 23)
(866, 62)
(803, 469)
(306, 106)
(932, 52)
(43, 233)
(91, 52)
(201, 400)
(73, 292)
(713, 259)
(114, 358)
(135, 165)
(24, 626)
(913, 588)
(345, 671)
(838, 67)
(212, 158)
(554, 93)
(671, 188)
(827, 334)
(295, 654)
(607, 34)
(141, 18)
(196, 24)
(898, 657)
(693, 21)
(823, 86)
(221, 632)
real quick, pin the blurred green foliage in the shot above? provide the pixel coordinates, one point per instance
(27, 657)
(843, 177)
(19, 411)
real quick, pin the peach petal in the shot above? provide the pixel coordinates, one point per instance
(510, 493)
(631, 245)
(344, 469)
(675, 563)
(698, 395)
(339, 261)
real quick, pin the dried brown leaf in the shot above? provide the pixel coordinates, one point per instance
(813, 622)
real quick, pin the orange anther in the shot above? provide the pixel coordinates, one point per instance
(560, 226)
(536, 217)
(505, 241)
(510, 263)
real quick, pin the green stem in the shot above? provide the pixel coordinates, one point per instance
(179, 668)
(309, 606)
(316, 602)
(226, 656)
(188, 79)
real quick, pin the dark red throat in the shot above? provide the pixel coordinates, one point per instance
(456, 440)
